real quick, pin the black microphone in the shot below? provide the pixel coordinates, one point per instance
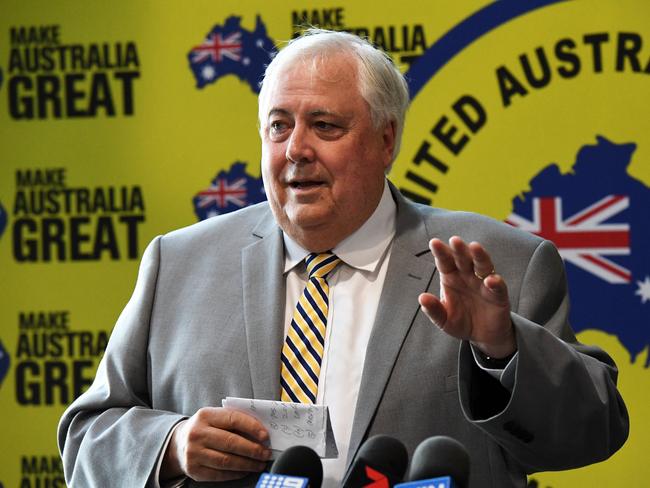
(381, 462)
(439, 461)
(291, 465)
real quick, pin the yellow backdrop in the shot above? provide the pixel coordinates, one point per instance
(123, 120)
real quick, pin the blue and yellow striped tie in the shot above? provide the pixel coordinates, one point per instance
(303, 348)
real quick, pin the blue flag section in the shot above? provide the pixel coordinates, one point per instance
(597, 216)
(230, 190)
(230, 50)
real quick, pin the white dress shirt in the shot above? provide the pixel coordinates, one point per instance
(355, 287)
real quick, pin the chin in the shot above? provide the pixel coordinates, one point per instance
(309, 222)
(312, 219)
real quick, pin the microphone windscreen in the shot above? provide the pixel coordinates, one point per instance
(300, 461)
(386, 453)
(440, 456)
(381, 461)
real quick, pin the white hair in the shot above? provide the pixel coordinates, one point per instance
(381, 84)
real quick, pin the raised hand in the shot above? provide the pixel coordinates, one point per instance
(473, 303)
(216, 444)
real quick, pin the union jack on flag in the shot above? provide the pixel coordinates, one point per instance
(223, 194)
(583, 238)
(216, 47)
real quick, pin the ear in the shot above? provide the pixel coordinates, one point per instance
(389, 138)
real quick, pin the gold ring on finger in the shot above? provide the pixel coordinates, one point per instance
(483, 277)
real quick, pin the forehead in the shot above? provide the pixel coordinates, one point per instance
(325, 82)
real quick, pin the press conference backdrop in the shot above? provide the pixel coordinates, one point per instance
(123, 120)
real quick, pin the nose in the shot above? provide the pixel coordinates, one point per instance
(300, 149)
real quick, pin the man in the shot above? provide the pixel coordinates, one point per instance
(213, 312)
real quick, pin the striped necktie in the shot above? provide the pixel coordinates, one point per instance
(303, 348)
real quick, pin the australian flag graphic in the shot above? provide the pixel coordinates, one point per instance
(597, 216)
(230, 50)
(229, 191)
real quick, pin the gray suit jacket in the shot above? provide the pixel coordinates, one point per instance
(205, 322)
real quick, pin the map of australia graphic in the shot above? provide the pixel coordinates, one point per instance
(229, 49)
(597, 215)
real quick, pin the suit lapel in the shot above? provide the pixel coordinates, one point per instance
(410, 271)
(263, 302)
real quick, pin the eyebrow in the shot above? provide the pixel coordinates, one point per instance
(313, 113)
(275, 111)
(318, 113)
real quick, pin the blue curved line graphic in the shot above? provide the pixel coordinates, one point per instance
(463, 34)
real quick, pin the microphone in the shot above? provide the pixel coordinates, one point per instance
(380, 463)
(297, 467)
(439, 462)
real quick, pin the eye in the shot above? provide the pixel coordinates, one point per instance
(278, 130)
(277, 126)
(328, 130)
(324, 126)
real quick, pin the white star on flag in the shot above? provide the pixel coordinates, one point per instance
(644, 289)
(208, 72)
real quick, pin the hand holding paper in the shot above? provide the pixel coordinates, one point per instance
(290, 424)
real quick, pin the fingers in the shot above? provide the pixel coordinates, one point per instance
(230, 443)
(467, 265)
(452, 257)
(234, 421)
(204, 464)
(444, 256)
(481, 262)
(218, 444)
(483, 267)
(468, 259)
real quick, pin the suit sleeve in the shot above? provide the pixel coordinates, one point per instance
(110, 435)
(564, 410)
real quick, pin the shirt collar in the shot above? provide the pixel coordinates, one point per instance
(364, 247)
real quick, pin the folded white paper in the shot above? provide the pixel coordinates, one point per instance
(291, 424)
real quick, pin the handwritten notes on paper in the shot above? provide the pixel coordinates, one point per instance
(291, 424)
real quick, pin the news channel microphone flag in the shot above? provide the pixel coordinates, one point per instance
(122, 121)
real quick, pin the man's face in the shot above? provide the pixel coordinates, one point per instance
(323, 162)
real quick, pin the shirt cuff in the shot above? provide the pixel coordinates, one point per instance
(504, 374)
(174, 482)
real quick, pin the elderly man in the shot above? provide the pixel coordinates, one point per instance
(317, 296)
